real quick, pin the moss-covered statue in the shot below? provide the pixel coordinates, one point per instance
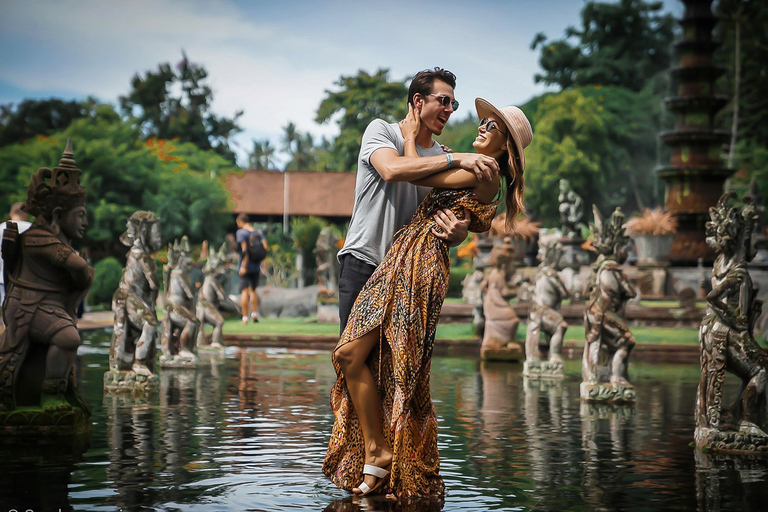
(727, 341)
(211, 299)
(608, 337)
(545, 316)
(135, 332)
(46, 281)
(179, 323)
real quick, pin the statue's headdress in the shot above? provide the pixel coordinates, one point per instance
(57, 188)
(608, 237)
(136, 224)
(178, 249)
(732, 227)
(216, 259)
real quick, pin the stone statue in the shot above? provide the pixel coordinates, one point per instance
(134, 336)
(727, 341)
(179, 323)
(211, 298)
(325, 255)
(571, 210)
(545, 317)
(46, 281)
(501, 321)
(607, 334)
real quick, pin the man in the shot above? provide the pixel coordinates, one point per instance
(248, 271)
(385, 200)
(18, 216)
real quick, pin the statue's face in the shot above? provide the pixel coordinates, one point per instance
(155, 238)
(73, 223)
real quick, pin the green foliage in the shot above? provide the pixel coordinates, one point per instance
(305, 231)
(179, 182)
(41, 117)
(457, 276)
(300, 147)
(622, 44)
(359, 100)
(106, 278)
(601, 139)
(261, 156)
(747, 19)
(157, 113)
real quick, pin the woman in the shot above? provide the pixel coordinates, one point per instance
(386, 427)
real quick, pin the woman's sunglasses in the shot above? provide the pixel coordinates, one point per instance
(446, 100)
(489, 124)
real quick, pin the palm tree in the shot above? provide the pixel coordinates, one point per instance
(262, 155)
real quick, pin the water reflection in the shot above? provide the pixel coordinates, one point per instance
(131, 437)
(249, 431)
(604, 431)
(36, 472)
(731, 483)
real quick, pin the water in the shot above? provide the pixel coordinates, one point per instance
(248, 432)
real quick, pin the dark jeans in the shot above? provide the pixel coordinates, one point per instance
(353, 274)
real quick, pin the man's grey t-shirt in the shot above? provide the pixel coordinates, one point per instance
(381, 207)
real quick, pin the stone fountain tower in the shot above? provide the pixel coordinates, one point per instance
(695, 175)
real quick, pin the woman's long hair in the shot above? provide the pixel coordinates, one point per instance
(512, 173)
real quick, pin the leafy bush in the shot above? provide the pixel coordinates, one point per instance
(107, 274)
(457, 276)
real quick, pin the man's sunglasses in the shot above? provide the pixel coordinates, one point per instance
(489, 124)
(446, 100)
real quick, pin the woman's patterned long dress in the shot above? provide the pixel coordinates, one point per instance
(403, 296)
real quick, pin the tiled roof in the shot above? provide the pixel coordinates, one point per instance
(323, 194)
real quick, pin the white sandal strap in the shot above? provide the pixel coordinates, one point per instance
(364, 489)
(370, 469)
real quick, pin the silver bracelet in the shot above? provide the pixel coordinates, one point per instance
(449, 157)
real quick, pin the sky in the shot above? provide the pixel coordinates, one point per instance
(275, 60)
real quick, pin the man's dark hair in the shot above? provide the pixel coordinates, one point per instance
(424, 80)
(243, 217)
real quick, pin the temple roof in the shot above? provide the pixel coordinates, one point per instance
(323, 194)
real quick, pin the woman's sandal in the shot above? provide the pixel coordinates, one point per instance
(380, 473)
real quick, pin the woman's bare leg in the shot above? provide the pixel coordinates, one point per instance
(365, 398)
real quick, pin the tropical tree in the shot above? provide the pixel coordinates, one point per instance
(41, 117)
(743, 54)
(601, 139)
(154, 109)
(182, 184)
(621, 44)
(300, 148)
(359, 100)
(261, 156)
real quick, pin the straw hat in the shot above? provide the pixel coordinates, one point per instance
(514, 119)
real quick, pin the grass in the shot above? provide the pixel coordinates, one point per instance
(458, 331)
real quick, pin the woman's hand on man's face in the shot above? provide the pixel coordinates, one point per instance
(411, 124)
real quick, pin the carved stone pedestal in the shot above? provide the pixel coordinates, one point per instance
(511, 351)
(43, 423)
(130, 382)
(178, 361)
(748, 440)
(607, 393)
(543, 369)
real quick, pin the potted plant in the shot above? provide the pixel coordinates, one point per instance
(653, 232)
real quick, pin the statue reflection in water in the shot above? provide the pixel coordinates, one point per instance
(603, 482)
(549, 445)
(131, 438)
